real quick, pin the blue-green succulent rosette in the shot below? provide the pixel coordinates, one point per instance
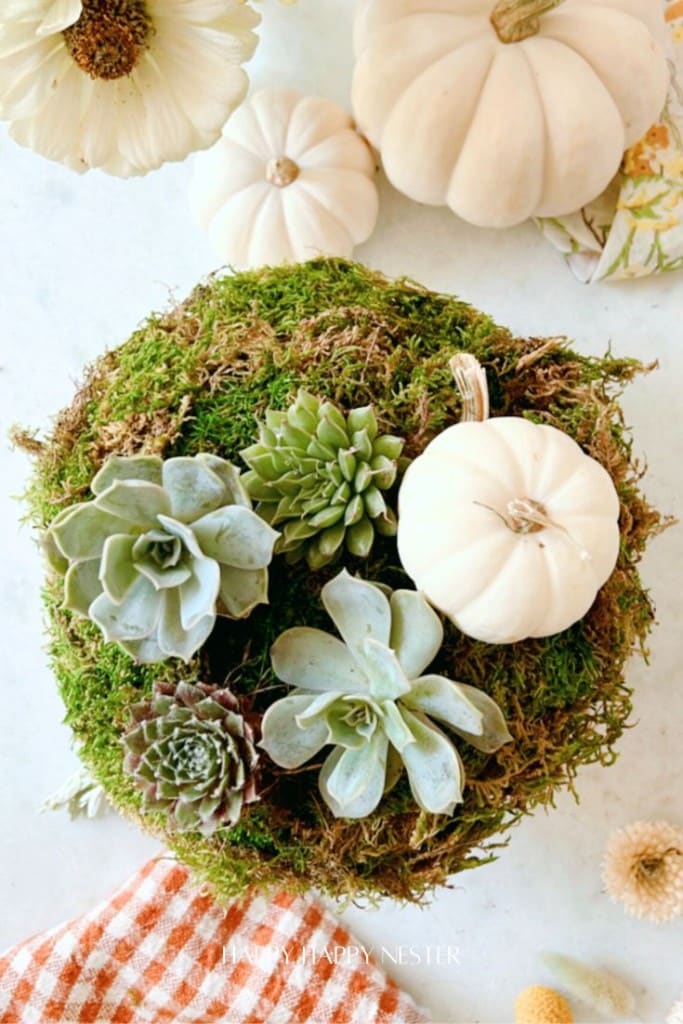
(367, 697)
(161, 550)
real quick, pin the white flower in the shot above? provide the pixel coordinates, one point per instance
(123, 85)
(80, 795)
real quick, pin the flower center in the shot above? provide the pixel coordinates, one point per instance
(649, 867)
(109, 37)
(281, 171)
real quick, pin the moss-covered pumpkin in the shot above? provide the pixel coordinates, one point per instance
(195, 379)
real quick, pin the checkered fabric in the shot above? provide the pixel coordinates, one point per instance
(162, 950)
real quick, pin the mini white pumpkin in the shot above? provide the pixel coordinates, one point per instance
(507, 526)
(529, 116)
(290, 179)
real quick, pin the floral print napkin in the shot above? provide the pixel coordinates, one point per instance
(636, 227)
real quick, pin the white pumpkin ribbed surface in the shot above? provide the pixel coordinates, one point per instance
(455, 541)
(505, 131)
(289, 180)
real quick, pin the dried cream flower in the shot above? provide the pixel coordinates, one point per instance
(643, 869)
(123, 85)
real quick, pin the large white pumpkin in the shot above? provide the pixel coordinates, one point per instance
(508, 528)
(290, 179)
(501, 131)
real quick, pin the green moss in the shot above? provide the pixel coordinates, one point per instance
(195, 379)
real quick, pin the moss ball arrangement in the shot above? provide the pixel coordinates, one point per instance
(204, 677)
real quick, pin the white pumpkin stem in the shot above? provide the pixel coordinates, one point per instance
(516, 20)
(281, 171)
(528, 516)
(470, 380)
(524, 515)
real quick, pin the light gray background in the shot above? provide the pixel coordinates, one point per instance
(82, 261)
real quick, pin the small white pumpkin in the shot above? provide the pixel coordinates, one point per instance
(507, 109)
(506, 526)
(290, 179)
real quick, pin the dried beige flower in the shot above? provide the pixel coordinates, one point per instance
(600, 989)
(643, 869)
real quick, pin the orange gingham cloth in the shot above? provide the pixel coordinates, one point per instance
(162, 950)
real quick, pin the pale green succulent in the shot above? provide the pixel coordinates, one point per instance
(366, 696)
(319, 475)
(164, 548)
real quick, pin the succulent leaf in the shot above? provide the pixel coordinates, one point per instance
(316, 660)
(81, 534)
(373, 770)
(135, 501)
(127, 467)
(241, 590)
(192, 754)
(161, 550)
(116, 570)
(435, 771)
(387, 678)
(81, 586)
(443, 699)
(359, 538)
(291, 745)
(193, 487)
(233, 535)
(494, 731)
(358, 609)
(365, 696)
(134, 618)
(197, 594)
(314, 467)
(416, 631)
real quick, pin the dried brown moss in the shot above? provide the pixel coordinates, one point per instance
(195, 379)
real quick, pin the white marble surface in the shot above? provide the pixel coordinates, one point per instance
(82, 260)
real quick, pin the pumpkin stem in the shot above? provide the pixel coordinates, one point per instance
(470, 380)
(516, 20)
(524, 515)
(281, 171)
(529, 516)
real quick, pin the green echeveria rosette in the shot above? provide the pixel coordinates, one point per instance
(164, 547)
(192, 756)
(320, 476)
(366, 695)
